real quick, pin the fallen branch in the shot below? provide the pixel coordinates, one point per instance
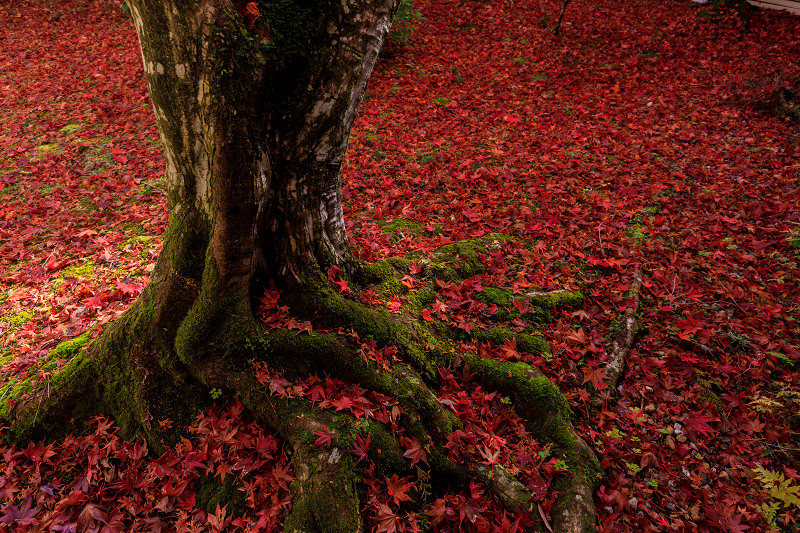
(621, 345)
(557, 28)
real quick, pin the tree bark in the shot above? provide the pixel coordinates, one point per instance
(255, 124)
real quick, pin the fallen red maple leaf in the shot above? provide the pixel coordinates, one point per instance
(325, 437)
(398, 488)
(360, 447)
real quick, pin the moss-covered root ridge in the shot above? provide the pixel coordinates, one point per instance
(332, 355)
(123, 373)
(325, 489)
(43, 410)
(547, 416)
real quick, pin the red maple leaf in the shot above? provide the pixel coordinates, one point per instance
(439, 511)
(594, 375)
(360, 447)
(408, 281)
(342, 403)
(414, 450)
(388, 521)
(398, 488)
(325, 437)
(251, 15)
(344, 288)
(698, 422)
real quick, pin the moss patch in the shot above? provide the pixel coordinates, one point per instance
(401, 227)
(66, 395)
(83, 270)
(17, 320)
(46, 149)
(212, 491)
(70, 128)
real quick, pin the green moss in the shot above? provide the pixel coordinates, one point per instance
(70, 128)
(537, 396)
(212, 491)
(543, 305)
(53, 148)
(66, 350)
(400, 264)
(422, 297)
(84, 270)
(6, 356)
(186, 243)
(401, 227)
(68, 394)
(497, 296)
(137, 228)
(393, 286)
(326, 496)
(558, 299)
(535, 344)
(16, 321)
(138, 386)
(86, 206)
(376, 272)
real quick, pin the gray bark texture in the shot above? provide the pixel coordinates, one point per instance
(255, 103)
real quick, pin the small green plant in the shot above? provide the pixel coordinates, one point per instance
(215, 393)
(615, 433)
(793, 236)
(403, 23)
(441, 101)
(633, 467)
(561, 465)
(782, 492)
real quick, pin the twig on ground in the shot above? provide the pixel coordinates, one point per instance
(622, 343)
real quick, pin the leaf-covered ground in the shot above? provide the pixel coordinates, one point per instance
(642, 136)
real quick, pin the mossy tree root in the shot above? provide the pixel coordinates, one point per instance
(142, 374)
(547, 415)
(122, 374)
(326, 482)
(325, 488)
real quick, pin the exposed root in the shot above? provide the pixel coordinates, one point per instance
(142, 376)
(325, 474)
(623, 341)
(332, 355)
(511, 493)
(546, 413)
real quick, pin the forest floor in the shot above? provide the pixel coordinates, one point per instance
(643, 136)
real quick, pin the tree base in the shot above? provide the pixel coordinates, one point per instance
(150, 380)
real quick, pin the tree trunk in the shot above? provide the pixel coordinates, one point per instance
(255, 125)
(255, 102)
